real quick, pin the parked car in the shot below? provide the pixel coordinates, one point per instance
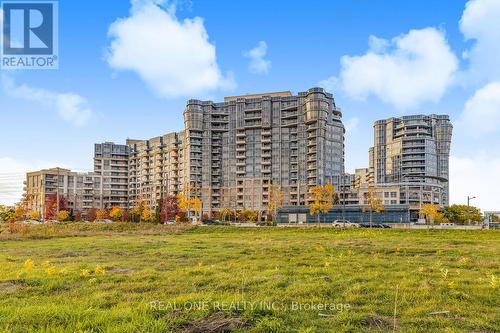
(373, 225)
(210, 222)
(344, 224)
(385, 226)
(169, 222)
(103, 221)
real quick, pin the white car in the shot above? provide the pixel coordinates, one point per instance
(103, 221)
(32, 222)
(344, 224)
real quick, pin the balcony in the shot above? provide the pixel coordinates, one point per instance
(252, 116)
(289, 114)
(289, 122)
(266, 139)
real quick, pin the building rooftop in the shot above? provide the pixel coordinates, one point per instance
(270, 94)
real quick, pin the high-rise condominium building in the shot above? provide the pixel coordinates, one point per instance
(156, 168)
(413, 152)
(111, 169)
(230, 154)
(76, 189)
(236, 149)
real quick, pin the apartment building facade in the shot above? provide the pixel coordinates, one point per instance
(156, 167)
(238, 148)
(111, 175)
(231, 153)
(76, 188)
(413, 151)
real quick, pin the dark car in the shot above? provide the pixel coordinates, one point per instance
(373, 225)
(210, 222)
(385, 226)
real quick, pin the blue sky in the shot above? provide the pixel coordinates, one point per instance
(127, 68)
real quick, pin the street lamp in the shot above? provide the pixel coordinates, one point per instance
(469, 198)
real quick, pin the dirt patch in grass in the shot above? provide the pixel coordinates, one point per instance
(216, 323)
(9, 286)
(379, 323)
(120, 271)
(70, 254)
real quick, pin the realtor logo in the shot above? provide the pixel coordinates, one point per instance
(29, 34)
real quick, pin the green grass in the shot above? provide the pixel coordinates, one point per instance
(232, 276)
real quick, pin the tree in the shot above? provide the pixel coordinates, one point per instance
(146, 214)
(196, 205)
(101, 214)
(126, 216)
(51, 205)
(187, 204)
(77, 216)
(170, 208)
(7, 214)
(62, 215)
(431, 213)
(19, 213)
(458, 214)
(322, 200)
(224, 213)
(374, 204)
(158, 209)
(276, 196)
(34, 215)
(116, 213)
(92, 214)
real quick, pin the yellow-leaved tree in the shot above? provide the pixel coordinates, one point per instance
(101, 214)
(374, 204)
(34, 215)
(187, 204)
(62, 215)
(431, 213)
(322, 200)
(276, 196)
(116, 213)
(146, 214)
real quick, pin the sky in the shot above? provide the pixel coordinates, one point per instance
(127, 69)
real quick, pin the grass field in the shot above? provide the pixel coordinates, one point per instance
(135, 278)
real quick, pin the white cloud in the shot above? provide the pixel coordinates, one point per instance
(406, 71)
(12, 175)
(480, 22)
(477, 177)
(481, 114)
(71, 107)
(258, 64)
(175, 58)
(351, 124)
(331, 84)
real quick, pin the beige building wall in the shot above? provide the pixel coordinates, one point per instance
(156, 168)
(76, 188)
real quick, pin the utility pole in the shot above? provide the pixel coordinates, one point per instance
(469, 198)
